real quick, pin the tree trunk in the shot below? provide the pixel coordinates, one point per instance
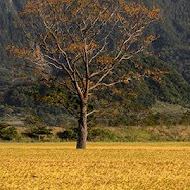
(82, 128)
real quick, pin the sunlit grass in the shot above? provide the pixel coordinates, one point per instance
(101, 166)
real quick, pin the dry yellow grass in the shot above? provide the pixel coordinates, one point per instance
(102, 166)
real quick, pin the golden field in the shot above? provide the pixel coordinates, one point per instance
(102, 166)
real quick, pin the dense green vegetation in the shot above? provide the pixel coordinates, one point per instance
(174, 32)
(98, 133)
(18, 92)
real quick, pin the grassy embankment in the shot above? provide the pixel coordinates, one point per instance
(116, 134)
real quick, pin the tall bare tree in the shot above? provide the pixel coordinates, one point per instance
(87, 39)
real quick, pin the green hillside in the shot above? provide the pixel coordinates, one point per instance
(174, 32)
(16, 92)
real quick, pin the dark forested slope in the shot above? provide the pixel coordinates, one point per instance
(174, 32)
(173, 46)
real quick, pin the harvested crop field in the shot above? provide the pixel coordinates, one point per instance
(102, 166)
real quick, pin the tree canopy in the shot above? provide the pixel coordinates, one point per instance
(86, 41)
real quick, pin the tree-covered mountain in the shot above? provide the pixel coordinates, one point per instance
(172, 46)
(174, 32)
